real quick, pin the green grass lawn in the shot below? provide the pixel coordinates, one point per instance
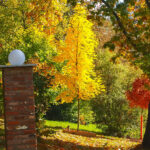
(62, 124)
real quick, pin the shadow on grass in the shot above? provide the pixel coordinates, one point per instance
(57, 127)
(73, 131)
(138, 147)
(81, 133)
(46, 131)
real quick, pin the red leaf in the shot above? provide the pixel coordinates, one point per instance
(140, 93)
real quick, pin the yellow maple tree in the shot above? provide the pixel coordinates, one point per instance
(77, 78)
(46, 14)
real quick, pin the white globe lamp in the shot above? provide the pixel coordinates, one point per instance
(16, 57)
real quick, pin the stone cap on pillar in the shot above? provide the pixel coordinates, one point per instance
(14, 66)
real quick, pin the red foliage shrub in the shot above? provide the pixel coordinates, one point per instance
(140, 93)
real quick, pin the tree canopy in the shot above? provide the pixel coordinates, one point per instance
(78, 77)
(130, 20)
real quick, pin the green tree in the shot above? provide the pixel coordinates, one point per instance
(111, 107)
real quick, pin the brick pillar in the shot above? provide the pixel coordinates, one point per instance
(19, 106)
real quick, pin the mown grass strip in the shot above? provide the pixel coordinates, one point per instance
(62, 124)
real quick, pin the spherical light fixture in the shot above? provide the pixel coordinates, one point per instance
(16, 57)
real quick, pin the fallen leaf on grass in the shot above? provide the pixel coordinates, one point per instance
(67, 141)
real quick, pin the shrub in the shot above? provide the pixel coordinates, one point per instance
(111, 107)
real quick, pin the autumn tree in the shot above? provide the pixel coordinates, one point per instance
(77, 79)
(139, 96)
(130, 20)
(11, 27)
(47, 16)
(11, 18)
(19, 30)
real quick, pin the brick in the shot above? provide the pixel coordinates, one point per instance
(22, 147)
(20, 100)
(20, 103)
(21, 137)
(24, 141)
(26, 147)
(21, 132)
(21, 118)
(19, 88)
(12, 123)
(19, 108)
(11, 113)
(8, 98)
(13, 128)
(25, 117)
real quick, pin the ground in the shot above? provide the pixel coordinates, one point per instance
(57, 138)
(70, 141)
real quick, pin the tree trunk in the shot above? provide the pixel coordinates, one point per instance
(146, 139)
(78, 115)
